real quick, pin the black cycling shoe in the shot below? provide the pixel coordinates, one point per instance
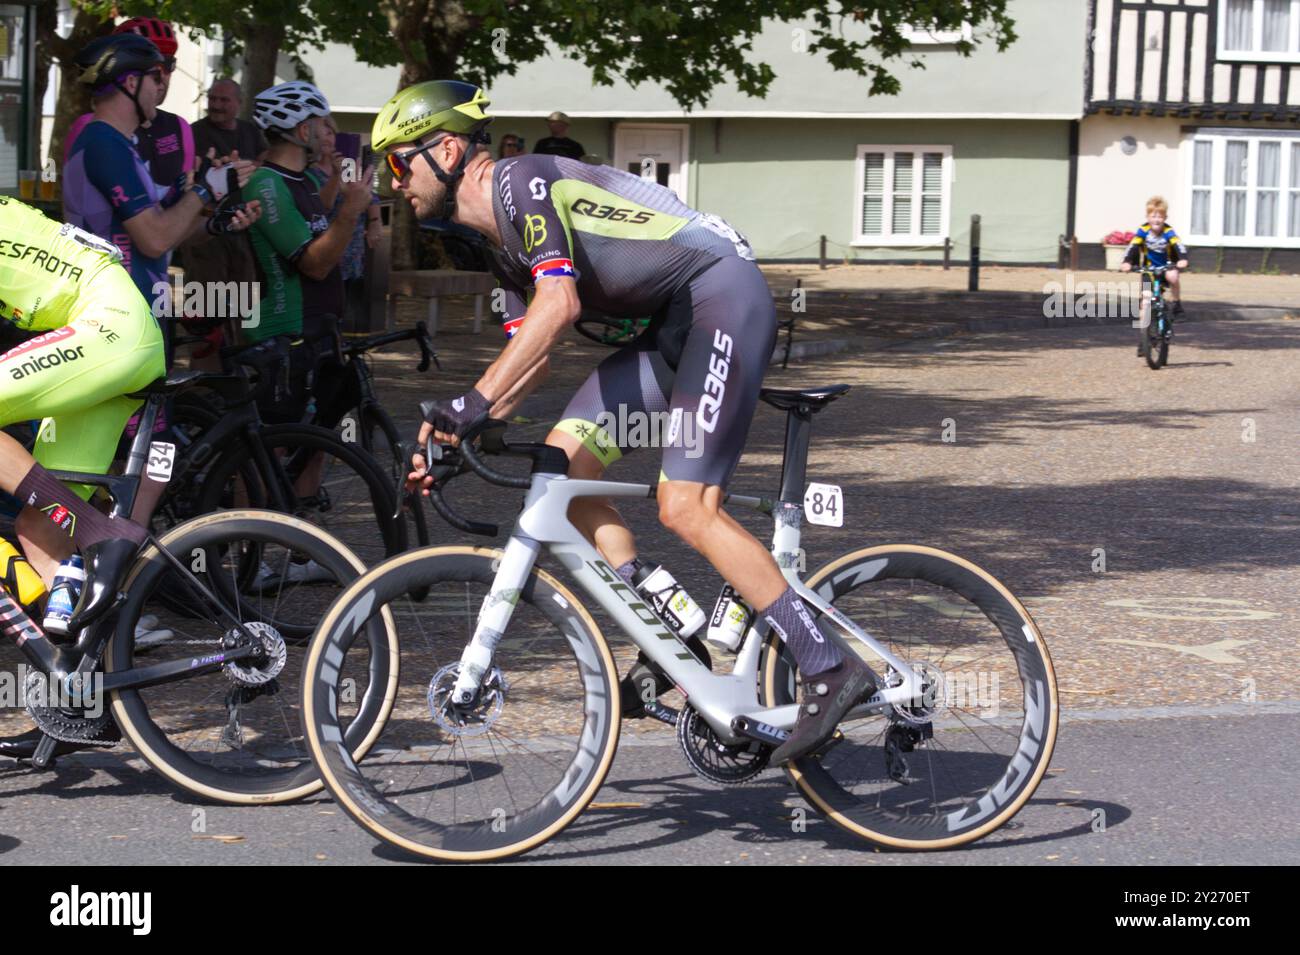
(633, 687)
(827, 696)
(1178, 308)
(23, 746)
(107, 563)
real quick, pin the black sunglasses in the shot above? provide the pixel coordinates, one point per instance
(399, 164)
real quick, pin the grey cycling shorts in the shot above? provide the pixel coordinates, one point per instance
(689, 385)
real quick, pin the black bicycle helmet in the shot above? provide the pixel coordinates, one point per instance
(107, 59)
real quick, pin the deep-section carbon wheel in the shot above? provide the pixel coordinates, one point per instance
(234, 734)
(499, 775)
(962, 758)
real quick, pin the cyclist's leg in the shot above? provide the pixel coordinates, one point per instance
(1175, 289)
(719, 376)
(723, 360)
(630, 384)
(78, 441)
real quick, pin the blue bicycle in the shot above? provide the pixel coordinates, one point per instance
(1155, 335)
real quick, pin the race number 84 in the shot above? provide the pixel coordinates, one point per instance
(824, 504)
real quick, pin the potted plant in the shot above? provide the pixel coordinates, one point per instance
(1116, 245)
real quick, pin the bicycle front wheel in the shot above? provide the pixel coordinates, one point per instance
(956, 763)
(484, 781)
(234, 734)
(1157, 350)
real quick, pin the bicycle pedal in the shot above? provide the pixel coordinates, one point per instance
(824, 748)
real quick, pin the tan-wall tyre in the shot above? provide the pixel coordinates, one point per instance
(985, 758)
(477, 783)
(204, 732)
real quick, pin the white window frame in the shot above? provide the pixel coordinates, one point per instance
(913, 238)
(1256, 55)
(1218, 138)
(921, 36)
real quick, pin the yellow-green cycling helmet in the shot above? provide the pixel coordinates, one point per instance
(421, 109)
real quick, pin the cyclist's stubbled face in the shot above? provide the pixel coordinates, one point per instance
(426, 193)
(1156, 220)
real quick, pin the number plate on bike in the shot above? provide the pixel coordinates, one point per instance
(161, 456)
(824, 504)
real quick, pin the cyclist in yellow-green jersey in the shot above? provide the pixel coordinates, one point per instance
(98, 341)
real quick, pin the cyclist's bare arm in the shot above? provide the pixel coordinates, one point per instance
(531, 382)
(156, 231)
(554, 308)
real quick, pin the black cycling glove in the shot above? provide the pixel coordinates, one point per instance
(223, 217)
(457, 415)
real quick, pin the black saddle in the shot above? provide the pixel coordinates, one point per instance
(174, 382)
(807, 400)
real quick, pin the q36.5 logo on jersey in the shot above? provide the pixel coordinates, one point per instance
(715, 385)
(585, 207)
(534, 232)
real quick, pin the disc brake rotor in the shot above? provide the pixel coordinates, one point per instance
(476, 718)
(252, 671)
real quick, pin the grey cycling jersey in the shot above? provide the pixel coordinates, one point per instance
(630, 244)
(635, 250)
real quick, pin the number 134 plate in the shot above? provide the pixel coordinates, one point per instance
(824, 504)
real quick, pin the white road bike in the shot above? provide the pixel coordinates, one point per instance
(506, 714)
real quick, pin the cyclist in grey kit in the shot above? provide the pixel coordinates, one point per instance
(634, 249)
(595, 238)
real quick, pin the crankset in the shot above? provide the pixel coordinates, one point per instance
(65, 723)
(712, 759)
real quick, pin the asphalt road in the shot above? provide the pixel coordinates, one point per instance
(1149, 519)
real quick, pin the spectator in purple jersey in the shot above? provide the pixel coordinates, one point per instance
(166, 143)
(109, 191)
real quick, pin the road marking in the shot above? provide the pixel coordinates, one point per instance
(1214, 652)
(1185, 608)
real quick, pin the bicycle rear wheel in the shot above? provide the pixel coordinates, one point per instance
(335, 485)
(486, 781)
(234, 735)
(963, 759)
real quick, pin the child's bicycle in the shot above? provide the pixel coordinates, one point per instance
(1155, 335)
(508, 714)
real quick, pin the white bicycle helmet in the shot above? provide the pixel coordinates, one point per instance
(285, 106)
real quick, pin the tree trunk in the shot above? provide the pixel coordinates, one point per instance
(73, 99)
(47, 21)
(430, 36)
(262, 42)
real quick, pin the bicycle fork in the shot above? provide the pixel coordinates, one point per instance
(513, 569)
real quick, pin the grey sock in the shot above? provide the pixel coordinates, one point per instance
(626, 571)
(795, 625)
